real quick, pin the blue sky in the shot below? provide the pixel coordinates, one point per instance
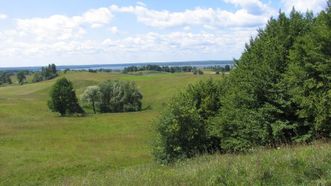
(69, 32)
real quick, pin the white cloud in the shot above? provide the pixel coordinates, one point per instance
(97, 17)
(151, 46)
(252, 6)
(140, 3)
(60, 27)
(114, 30)
(3, 16)
(199, 33)
(304, 5)
(194, 17)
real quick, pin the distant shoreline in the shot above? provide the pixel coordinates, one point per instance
(123, 65)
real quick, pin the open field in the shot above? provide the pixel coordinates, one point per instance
(39, 147)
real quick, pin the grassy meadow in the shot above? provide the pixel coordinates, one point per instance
(38, 147)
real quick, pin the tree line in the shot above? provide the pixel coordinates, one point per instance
(279, 92)
(218, 68)
(47, 73)
(159, 68)
(5, 78)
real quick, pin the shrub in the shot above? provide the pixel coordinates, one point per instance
(182, 128)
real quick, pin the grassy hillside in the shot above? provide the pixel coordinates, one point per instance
(301, 165)
(38, 147)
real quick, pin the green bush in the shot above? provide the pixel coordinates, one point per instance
(182, 130)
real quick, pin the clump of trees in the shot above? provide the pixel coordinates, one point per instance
(5, 78)
(197, 72)
(46, 73)
(63, 98)
(158, 68)
(279, 92)
(113, 96)
(21, 77)
(217, 68)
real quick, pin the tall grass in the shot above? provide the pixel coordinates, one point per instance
(301, 165)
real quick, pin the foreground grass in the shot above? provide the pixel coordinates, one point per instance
(302, 165)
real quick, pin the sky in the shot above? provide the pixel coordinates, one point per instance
(78, 32)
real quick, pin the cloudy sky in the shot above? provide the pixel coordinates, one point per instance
(67, 32)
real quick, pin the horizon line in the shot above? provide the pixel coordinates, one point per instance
(128, 63)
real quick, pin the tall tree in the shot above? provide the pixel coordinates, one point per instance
(250, 114)
(21, 77)
(63, 98)
(308, 80)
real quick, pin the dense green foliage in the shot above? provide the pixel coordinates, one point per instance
(5, 78)
(159, 68)
(21, 77)
(119, 96)
(46, 73)
(182, 128)
(278, 92)
(92, 96)
(63, 98)
(307, 82)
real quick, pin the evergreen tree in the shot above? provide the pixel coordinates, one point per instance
(63, 98)
(307, 83)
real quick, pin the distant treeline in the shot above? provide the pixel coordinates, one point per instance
(46, 73)
(218, 68)
(99, 70)
(159, 68)
(5, 78)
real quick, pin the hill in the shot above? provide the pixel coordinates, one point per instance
(39, 148)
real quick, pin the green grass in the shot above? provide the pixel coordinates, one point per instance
(302, 165)
(38, 147)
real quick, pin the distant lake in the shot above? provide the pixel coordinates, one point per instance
(199, 64)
